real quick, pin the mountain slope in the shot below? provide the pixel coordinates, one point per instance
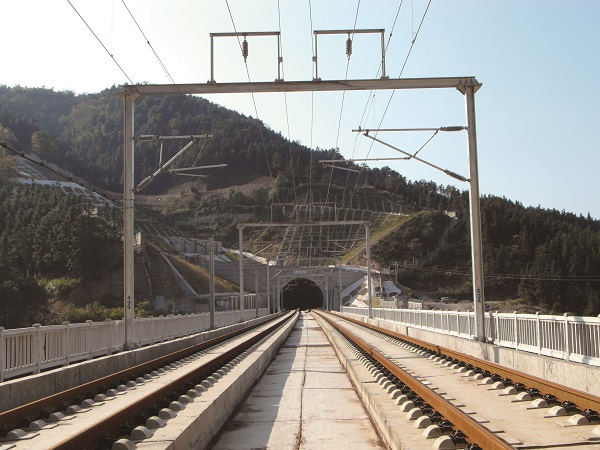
(547, 257)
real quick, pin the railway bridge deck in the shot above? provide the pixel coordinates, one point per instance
(315, 380)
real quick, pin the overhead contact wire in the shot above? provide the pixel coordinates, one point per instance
(312, 109)
(413, 40)
(100, 42)
(113, 58)
(287, 117)
(253, 101)
(4, 145)
(162, 65)
(343, 99)
(369, 102)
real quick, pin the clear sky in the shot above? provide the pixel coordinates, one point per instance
(537, 112)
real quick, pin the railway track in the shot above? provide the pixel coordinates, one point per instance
(127, 406)
(460, 401)
(419, 396)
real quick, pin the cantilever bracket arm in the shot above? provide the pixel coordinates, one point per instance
(341, 167)
(447, 172)
(146, 181)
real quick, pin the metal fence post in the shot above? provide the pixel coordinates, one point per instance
(538, 332)
(516, 332)
(492, 335)
(66, 347)
(457, 320)
(567, 347)
(2, 354)
(497, 327)
(469, 322)
(88, 338)
(37, 347)
(108, 341)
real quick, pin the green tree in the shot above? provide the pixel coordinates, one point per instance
(22, 301)
(45, 146)
(8, 169)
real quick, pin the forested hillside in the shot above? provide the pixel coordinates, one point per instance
(48, 242)
(547, 257)
(551, 259)
(84, 134)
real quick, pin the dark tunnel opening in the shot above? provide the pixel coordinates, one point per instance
(302, 293)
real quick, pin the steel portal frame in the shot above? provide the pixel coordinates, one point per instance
(468, 86)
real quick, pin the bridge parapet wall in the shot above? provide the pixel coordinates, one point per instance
(19, 391)
(33, 349)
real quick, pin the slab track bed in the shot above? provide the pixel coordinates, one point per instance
(460, 401)
(125, 405)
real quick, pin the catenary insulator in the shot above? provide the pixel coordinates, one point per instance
(461, 178)
(245, 49)
(348, 47)
(146, 137)
(452, 128)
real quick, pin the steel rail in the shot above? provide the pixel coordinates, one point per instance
(583, 400)
(13, 416)
(89, 437)
(474, 432)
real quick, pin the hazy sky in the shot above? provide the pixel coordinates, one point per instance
(537, 111)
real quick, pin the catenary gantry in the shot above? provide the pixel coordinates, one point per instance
(466, 85)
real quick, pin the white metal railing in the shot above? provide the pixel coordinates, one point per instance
(572, 338)
(32, 349)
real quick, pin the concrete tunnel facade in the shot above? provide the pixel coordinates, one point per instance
(302, 293)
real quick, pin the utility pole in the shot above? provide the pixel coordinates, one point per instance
(211, 281)
(474, 206)
(368, 245)
(327, 306)
(278, 296)
(256, 291)
(269, 306)
(129, 100)
(340, 284)
(241, 263)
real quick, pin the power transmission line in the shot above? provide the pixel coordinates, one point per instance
(505, 276)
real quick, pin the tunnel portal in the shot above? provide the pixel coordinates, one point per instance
(302, 293)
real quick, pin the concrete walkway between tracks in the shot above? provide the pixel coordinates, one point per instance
(304, 400)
